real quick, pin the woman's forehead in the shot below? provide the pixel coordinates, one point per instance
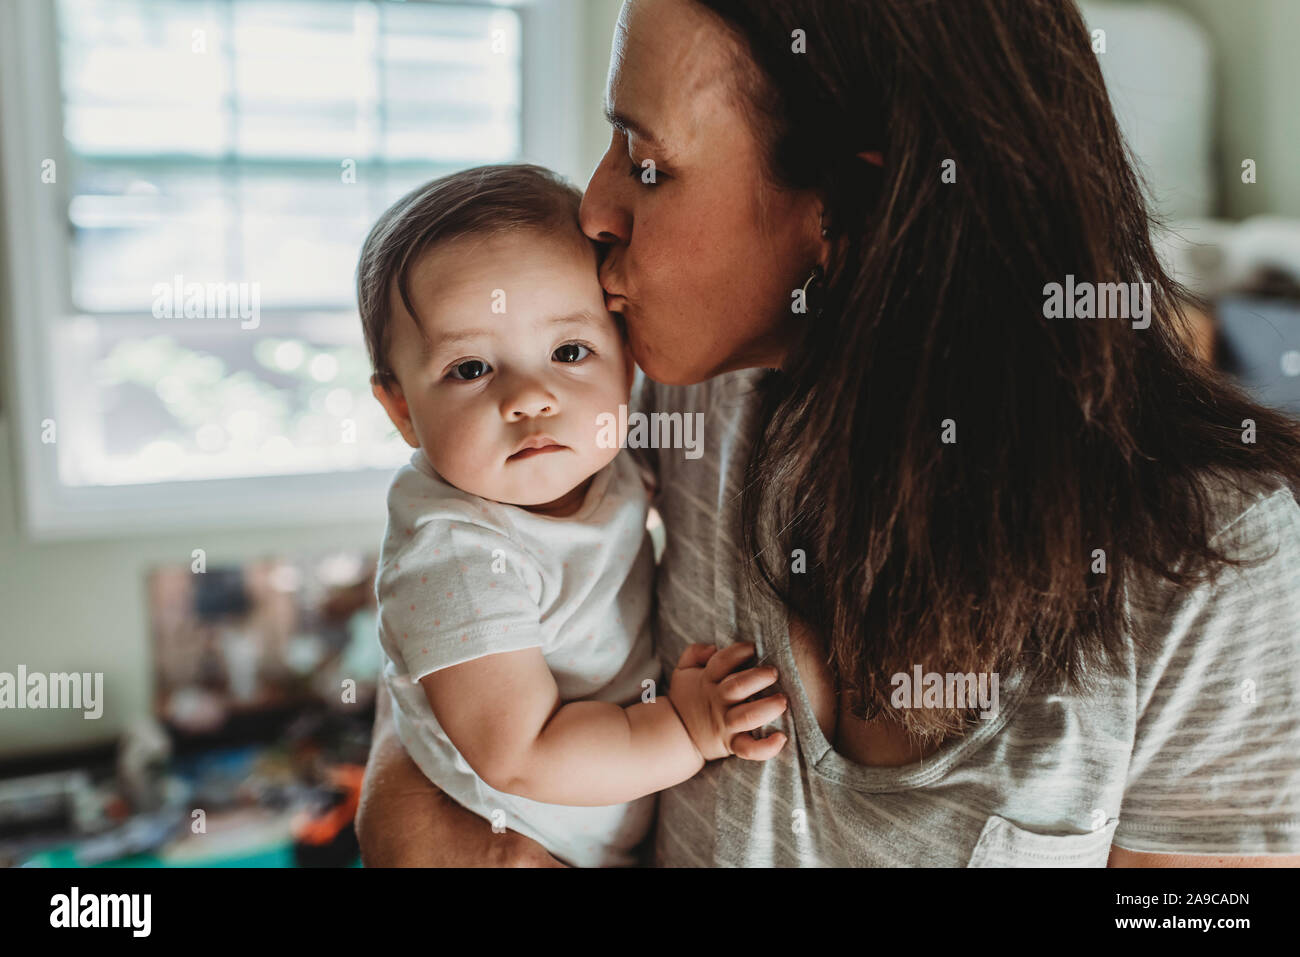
(671, 70)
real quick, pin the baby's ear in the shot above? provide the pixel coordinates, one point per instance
(389, 393)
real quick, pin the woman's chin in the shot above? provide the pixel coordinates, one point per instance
(667, 371)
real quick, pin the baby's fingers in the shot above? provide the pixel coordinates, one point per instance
(757, 749)
(754, 714)
(728, 660)
(696, 656)
(743, 684)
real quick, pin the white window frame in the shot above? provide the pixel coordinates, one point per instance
(37, 276)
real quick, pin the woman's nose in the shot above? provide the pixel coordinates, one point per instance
(603, 214)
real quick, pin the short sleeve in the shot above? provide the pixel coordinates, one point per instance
(1216, 758)
(455, 592)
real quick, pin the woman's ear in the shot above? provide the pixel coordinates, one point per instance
(825, 238)
(389, 394)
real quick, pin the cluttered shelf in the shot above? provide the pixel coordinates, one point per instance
(287, 800)
(265, 676)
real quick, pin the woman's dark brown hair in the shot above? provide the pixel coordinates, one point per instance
(1072, 435)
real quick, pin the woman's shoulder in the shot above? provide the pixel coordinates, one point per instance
(714, 407)
(1217, 690)
(1255, 524)
(1248, 513)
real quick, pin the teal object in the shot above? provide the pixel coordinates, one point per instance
(279, 855)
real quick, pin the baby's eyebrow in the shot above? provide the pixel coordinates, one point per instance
(456, 338)
(440, 343)
(580, 318)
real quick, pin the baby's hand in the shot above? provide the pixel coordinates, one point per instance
(709, 695)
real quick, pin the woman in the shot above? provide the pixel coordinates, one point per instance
(917, 463)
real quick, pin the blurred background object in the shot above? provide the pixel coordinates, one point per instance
(1204, 92)
(194, 467)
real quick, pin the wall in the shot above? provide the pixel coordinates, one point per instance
(1257, 48)
(598, 30)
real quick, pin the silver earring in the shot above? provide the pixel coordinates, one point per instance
(813, 290)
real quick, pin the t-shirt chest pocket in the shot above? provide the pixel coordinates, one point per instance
(1003, 844)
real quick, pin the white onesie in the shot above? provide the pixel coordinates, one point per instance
(461, 577)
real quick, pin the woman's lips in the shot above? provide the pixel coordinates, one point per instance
(529, 453)
(611, 301)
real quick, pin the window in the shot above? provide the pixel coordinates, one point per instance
(195, 181)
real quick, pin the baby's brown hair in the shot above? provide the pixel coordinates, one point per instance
(481, 201)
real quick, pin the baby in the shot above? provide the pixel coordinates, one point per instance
(516, 573)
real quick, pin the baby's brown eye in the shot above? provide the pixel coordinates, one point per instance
(569, 352)
(469, 369)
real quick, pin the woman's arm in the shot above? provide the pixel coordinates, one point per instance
(405, 821)
(1121, 857)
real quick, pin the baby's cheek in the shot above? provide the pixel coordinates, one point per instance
(602, 425)
(461, 453)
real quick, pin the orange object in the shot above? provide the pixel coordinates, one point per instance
(324, 827)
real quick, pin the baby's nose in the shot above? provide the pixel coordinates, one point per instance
(523, 410)
(528, 402)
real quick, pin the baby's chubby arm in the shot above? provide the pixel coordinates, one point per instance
(503, 713)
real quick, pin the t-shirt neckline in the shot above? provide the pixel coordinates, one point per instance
(822, 758)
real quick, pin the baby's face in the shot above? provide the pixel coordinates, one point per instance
(521, 348)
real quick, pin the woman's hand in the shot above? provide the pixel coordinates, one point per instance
(710, 697)
(405, 821)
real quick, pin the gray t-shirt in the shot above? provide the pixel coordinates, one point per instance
(1192, 749)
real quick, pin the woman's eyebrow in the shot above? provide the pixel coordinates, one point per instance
(621, 121)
